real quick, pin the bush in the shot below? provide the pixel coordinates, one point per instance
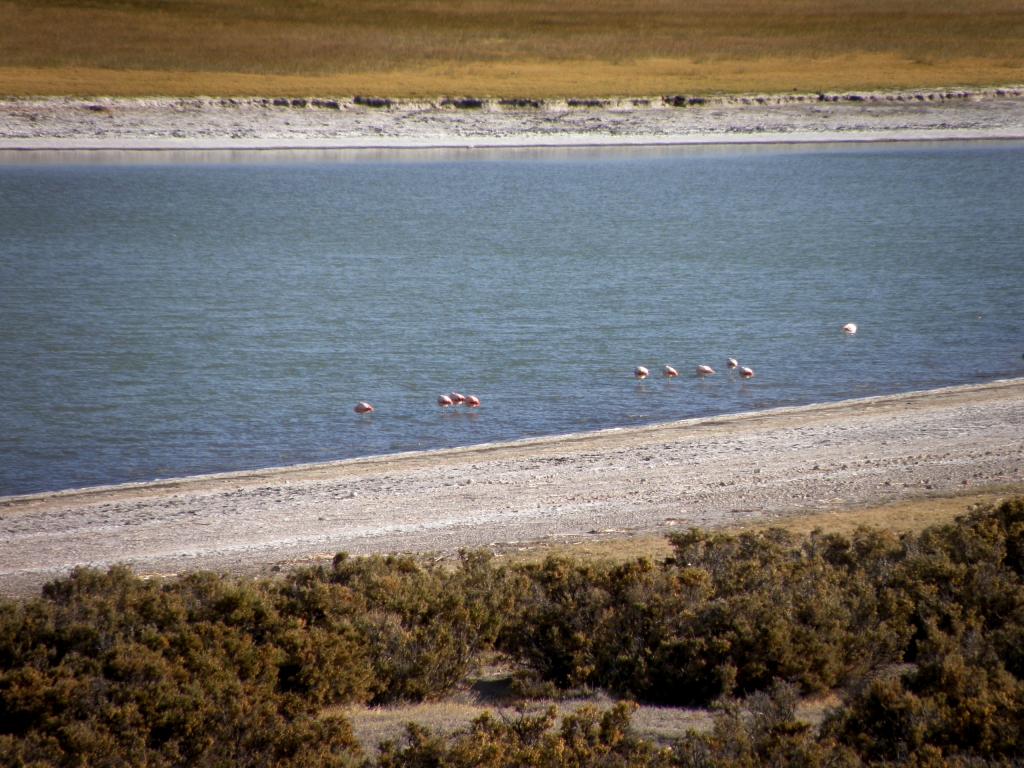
(106, 668)
(762, 730)
(423, 627)
(586, 738)
(925, 631)
(726, 614)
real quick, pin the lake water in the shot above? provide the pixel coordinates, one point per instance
(174, 315)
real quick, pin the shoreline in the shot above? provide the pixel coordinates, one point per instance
(568, 141)
(282, 472)
(706, 472)
(355, 124)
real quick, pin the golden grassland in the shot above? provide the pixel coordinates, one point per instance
(425, 48)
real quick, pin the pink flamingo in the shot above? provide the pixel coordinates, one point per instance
(444, 401)
(850, 328)
(747, 373)
(640, 372)
(705, 370)
(472, 401)
(457, 398)
(732, 362)
(670, 372)
(363, 407)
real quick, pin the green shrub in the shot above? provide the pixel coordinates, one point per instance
(726, 614)
(762, 730)
(106, 668)
(558, 610)
(959, 700)
(423, 627)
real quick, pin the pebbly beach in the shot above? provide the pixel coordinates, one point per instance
(710, 472)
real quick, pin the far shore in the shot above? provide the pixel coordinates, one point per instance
(61, 125)
(726, 471)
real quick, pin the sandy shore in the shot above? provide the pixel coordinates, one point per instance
(326, 123)
(701, 472)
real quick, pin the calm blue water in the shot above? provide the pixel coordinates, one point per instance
(171, 318)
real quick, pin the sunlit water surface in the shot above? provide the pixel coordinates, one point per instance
(168, 318)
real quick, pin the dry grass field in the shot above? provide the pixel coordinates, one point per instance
(416, 48)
